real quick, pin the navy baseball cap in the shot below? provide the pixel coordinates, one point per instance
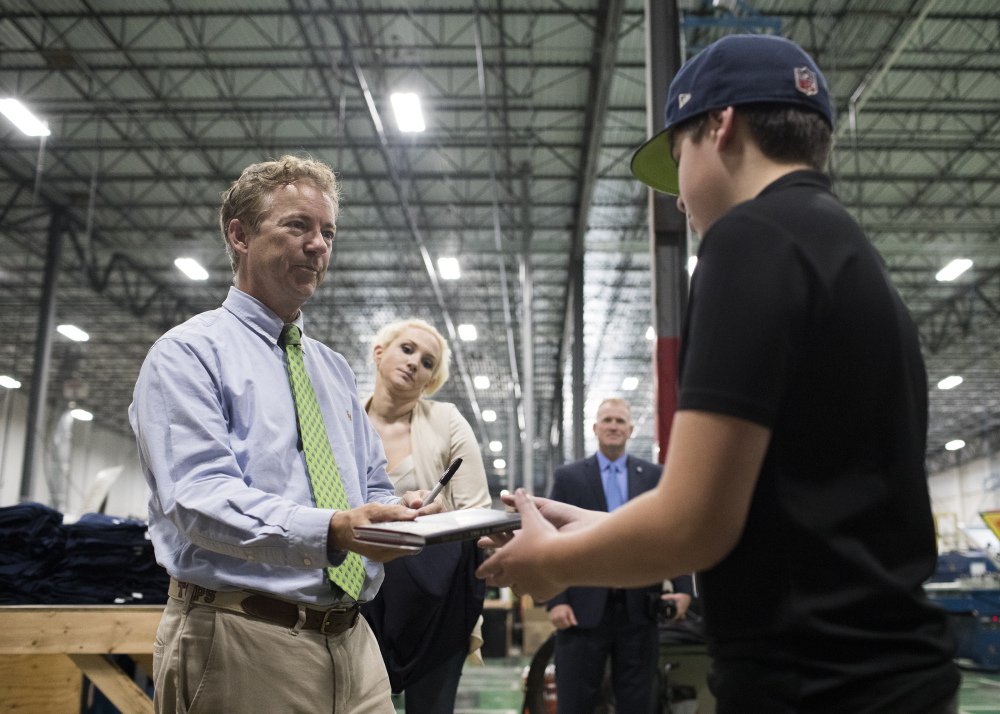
(737, 69)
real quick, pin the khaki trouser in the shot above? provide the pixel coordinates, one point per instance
(215, 662)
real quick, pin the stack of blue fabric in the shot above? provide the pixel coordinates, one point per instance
(98, 560)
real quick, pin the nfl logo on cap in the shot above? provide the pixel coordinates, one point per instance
(805, 81)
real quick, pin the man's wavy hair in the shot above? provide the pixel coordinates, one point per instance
(249, 198)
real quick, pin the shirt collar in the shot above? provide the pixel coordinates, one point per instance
(258, 316)
(801, 177)
(603, 461)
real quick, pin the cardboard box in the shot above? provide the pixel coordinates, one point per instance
(535, 628)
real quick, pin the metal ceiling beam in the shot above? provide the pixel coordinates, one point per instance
(414, 230)
(952, 318)
(607, 26)
(861, 93)
(519, 394)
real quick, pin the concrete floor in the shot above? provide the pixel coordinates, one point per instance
(496, 689)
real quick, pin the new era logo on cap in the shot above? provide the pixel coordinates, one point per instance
(683, 99)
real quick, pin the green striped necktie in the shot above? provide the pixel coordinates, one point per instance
(324, 476)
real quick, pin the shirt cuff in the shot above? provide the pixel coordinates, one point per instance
(312, 528)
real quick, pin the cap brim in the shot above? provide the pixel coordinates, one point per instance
(654, 165)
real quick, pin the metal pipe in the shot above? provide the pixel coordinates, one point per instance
(411, 223)
(874, 77)
(516, 384)
(528, 393)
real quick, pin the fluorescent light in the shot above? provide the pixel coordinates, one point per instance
(953, 269)
(467, 333)
(650, 333)
(950, 382)
(406, 107)
(499, 464)
(481, 381)
(489, 415)
(81, 415)
(692, 264)
(73, 332)
(11, 383)
(629, 384)
(955, 445)
(448, 267)
(496, 446)
(191, 268)
(21, 117)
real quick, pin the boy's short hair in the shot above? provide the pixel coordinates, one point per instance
(736, 71)
(784, 133)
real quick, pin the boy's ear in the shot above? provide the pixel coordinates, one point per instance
(723, 126)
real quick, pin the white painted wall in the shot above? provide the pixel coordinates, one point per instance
(13, 415)
(93, 449)
(958, 495)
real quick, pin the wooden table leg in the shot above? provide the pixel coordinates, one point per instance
(117, 686)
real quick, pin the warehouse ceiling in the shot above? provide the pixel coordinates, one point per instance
(532, 108)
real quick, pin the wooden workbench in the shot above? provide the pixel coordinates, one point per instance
(45, 648)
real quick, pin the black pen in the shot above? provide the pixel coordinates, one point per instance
(443, 482)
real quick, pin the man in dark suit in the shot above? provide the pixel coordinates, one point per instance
(593, 624)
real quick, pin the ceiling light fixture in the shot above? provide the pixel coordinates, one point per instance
(955, 445)
(629, 384)
(953, 269)
(191, 268)
(81, 415)
(481, 381)
(950, 382)
(499, 464)
(496, 446)
(73, 332)
(406, 107)
(467, 332)
(489, 416)
(21, 117)
(650, 333)
(9, 382)
(448, 267)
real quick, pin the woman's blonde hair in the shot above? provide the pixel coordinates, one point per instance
(441, 371)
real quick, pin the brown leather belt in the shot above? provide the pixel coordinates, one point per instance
(330, 621)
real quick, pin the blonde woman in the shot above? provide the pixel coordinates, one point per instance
(427, 619)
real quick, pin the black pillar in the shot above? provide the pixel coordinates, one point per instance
(35, 427)
(668, 228)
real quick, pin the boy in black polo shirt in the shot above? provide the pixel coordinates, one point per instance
(795, 476)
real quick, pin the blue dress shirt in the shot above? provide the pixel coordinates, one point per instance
(213, 415)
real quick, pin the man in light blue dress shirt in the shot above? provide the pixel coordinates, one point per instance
(253, 623)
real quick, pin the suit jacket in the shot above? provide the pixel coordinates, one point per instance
(579, 483)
